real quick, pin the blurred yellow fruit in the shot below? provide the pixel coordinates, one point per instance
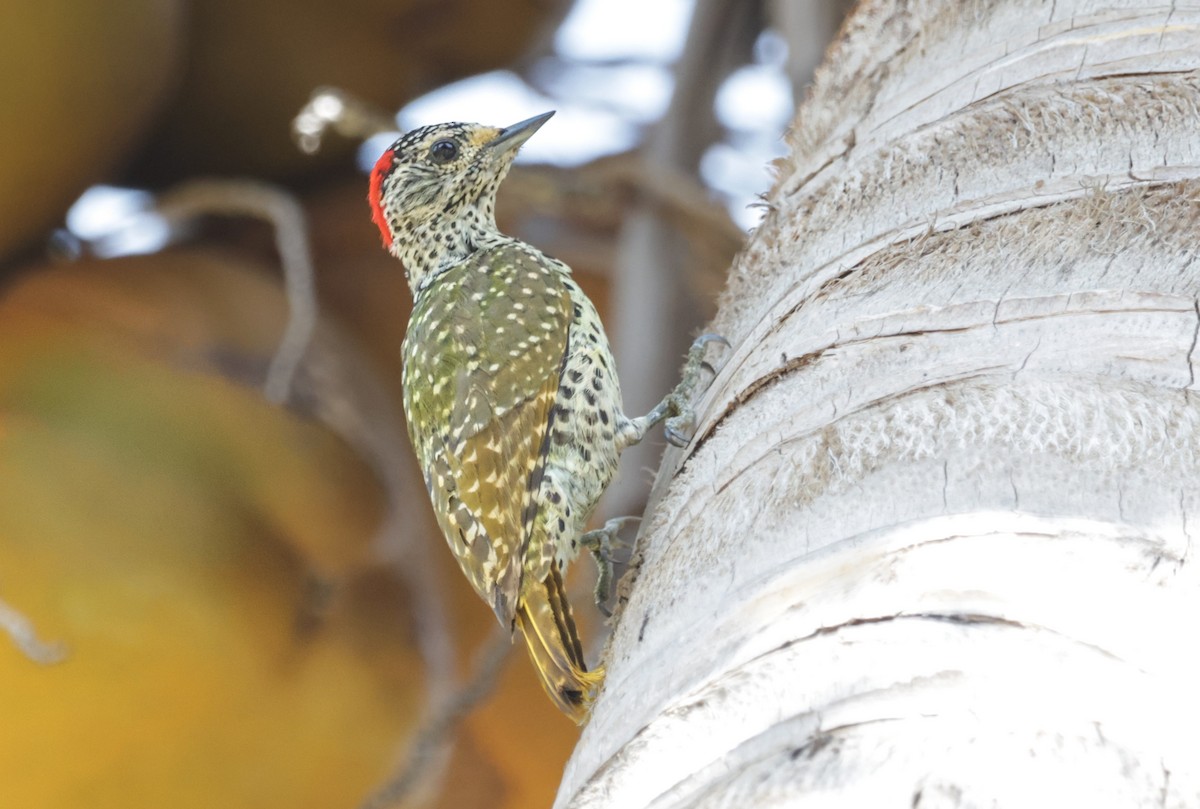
(151, 513)
(79, 83)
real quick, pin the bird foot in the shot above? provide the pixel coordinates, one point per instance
(679, 401)
(600, 543)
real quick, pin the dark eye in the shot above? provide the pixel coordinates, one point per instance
(443, 151)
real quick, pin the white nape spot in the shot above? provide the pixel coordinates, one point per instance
(373, 147)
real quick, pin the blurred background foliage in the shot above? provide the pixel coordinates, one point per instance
(214, 597)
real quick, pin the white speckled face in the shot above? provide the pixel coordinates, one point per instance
(433, 193)
(412, 178)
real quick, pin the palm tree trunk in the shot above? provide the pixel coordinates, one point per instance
(931, 542)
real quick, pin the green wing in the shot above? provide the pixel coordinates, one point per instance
(482, 361)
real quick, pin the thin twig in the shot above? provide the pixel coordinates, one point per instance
(20, 629)
(433, 736)
(280, 209)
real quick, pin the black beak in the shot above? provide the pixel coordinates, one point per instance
(511, 137)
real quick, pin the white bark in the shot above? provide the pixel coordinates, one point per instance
(931, 544)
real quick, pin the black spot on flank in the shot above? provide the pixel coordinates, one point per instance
(576, 376)
(590, 418)
(562, 525)
(604, 361)
(574, 544)
(604, 416)
(587, 454)
(560, 438)
(597, 385)
(555, 497)
(567, 391)
(578, 311)
(589, 396)
(562, 412)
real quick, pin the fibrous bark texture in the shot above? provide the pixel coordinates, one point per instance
(931, 543)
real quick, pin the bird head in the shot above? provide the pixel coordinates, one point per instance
(433, 192)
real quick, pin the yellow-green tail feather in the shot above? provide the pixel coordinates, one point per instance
(544, 617)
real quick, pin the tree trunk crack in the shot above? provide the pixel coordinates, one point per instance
(1191, 355)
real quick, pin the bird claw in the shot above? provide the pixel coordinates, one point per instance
(679, 426)
(600, 543)
(676, 437)
(710, 337)
(696, 362)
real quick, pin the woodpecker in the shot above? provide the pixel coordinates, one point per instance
(510, 389)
